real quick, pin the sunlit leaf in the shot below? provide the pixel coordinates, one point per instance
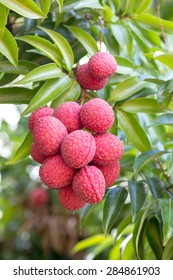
(44, 5)
(141, 105)
(88, 242)
(166, 207)
(8, 47)
(141, 6)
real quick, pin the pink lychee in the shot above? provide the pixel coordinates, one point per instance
(48, 134)
(36, 155)
(87, 81)
(55, 173)
(102, 65)
(37, 114)
(89, 184)
(110, 172)
(97, 115)
(69, 199)
(78, 148)
(39, 196)
(68, 114)
(108, 148)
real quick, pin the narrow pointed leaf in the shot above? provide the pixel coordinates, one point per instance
(16, 95)
(168, 250)
(23, 67)
(165, 119)
(156, 187)
(3, 21)
(166, 59)
(166, 207)
(88, 242)
(141, 105)
(60, 4)
(44, 5)
(141, 6)
(9, 48)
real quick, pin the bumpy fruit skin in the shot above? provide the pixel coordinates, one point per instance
(110, 172)
(89, 184)
(39, 196)
(37, 114)
(48, 134)
(102, 65)
(68, 114)
(69, 199)
(108, 149)
(97, 115)
(87, 81)
(36, 155)
(55, 173)
(78, 148)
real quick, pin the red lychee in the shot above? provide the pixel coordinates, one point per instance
(37, 114)
(108, 149)
(110, 172)
(89, 184)
(102, 65)
(97, 115)
(48, 134)
(36, 155)
(39, 196)
(69, 199)
(87, 81)
(55, 173)
(68, 114)
(78, 148)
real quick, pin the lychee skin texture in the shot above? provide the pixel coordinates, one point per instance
(69, 199)
(108, 149)
(78, 148)
(87, 81)
(48, 134)
(37, 114)
(68, 114)
(36, 155)
(97, 115)
(55, 173)
(39, 196)
(89, 184)
(102, 65)
(110, 172)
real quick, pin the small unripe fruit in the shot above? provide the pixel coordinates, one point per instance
(39, 196)
(69, 199)
(48, 134)
(89, 184)
(87, 81)
(78, 148)
(108, 149)
(68, 114)
(97, 115)
(110, 172)
(37, 114)
(55, 173)
(36, 155)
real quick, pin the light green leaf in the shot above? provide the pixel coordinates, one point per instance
(93, 4)
(126, 89)
(25, 8)
(23, 151)
(23, 67)
(85, 39)
(165, 119)
(88, 242)
(44, 5)
(42, 73)
(141, 6)
(63, 46)
(141, 105)
(60, 4)
(127, 6)
(44, 46)
(114, 202)
(3, 21)
(16, 95)
(125, 66)
(166, 59)
(8, 47)
(168, 250)
(50, 90)
(166, 207)
(134, 132)
(104, 245)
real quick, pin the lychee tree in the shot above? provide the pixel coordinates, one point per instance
(42, 45)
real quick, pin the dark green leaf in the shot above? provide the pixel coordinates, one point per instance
(88, 242)
(166, 207)
(16, 95)
(141, 105)
(85, 212)
(168, 250)
(23, 67)
(123, 225)
(156, 187)
(8, 47)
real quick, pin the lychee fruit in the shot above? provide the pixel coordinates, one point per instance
(89, 184)
(55, 173)
(108, 149)
(48, 134)
(78, 148)
(39, 196)
(87, 81)
(37, 114)
(68, 114)
(110, 172)
(69, 199)
(102, 65)
(97, 115)
(36, 155)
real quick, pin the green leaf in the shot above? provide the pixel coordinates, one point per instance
(168, 250)
(85, 212)
(3, 21)
(44, 5)
(156, 187)
(8, 47)
(106, 244)
(165, 119)
(127, 6)
(60, 4)
(16, 95)
(44, 46)
(42, 73)
(125, 66)
(25, 8)
(114, 202)
(164, 94)
(123, 225)
(50, 90)
(23, 67)
(126, 89)
(63, 46)
(85, 39)
(23, 151)
(166, 207)
(141, 6)
(93, 4)
(88, 242)
(141, 105)
(138, 193)
(134, 132)
(145, 158)
(166, 59)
